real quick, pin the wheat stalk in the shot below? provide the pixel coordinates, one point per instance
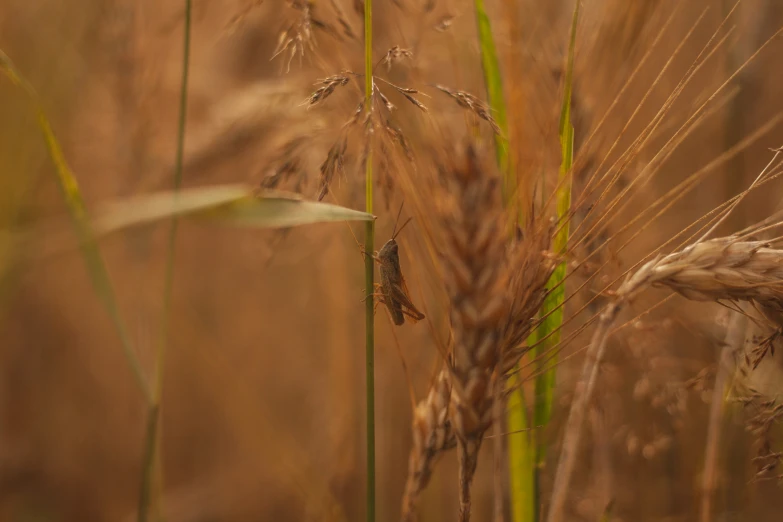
(722, 269)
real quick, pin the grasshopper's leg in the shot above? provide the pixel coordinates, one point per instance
(414, 316)
(408, 308)
(377, 294)
(374, 255)
(381, 299)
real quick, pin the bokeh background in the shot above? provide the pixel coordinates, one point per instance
(263, 411)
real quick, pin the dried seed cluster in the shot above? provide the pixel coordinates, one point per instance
(472, 104)
(432, 435)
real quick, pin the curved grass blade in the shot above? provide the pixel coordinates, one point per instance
(76, 208)
(234, 205)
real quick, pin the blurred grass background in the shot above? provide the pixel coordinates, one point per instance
(263, 403)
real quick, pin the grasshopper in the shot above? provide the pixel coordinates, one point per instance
(393, 290)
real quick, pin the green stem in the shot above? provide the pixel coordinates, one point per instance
(369, 273)
(152, 458)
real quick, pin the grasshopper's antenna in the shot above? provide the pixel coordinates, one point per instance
(403, 226)
(396, 221)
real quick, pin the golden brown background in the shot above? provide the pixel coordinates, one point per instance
(263, 415)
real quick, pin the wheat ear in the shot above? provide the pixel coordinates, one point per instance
(722, 269)
(474, 271)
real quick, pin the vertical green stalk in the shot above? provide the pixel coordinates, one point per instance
(552, 308)
(369, 273)
(152, 457)
(521, 441)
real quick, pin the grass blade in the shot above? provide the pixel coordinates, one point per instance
(233, 205)
(73, 199)
(496, 98)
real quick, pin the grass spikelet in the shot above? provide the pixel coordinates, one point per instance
(407, 92)
(396, 135)
(472, 104)
(394, 55)
(444, 24)
(286, 166)
(334, 163)
(343, 21)
(298, 37)
(432, 435)
(328, 85)
(474, 272)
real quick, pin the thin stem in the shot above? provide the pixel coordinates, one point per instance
(152, 458)
(369, 273)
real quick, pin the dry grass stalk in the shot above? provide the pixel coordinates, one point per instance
(475, 274)
(432, 435)
(722, 269)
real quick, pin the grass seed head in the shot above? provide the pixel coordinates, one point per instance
(472, 104)
(328, 85)
(334, 162)
(432, 435)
